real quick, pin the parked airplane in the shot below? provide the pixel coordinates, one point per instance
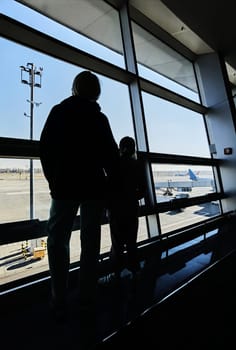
(181, 173)
(200, 181)
(185, 185)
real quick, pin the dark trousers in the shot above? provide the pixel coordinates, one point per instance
(59, 228)
(124, 230)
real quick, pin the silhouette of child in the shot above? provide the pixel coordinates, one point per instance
(124, 210)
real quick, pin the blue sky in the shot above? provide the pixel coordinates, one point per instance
(169, 126)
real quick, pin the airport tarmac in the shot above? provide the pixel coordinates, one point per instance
(14, 206)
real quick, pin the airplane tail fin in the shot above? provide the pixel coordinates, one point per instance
(192, 176)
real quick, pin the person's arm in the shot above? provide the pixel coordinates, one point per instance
(46, 144)
(110, 149)
(111, 160)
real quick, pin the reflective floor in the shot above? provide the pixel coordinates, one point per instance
(154, 307)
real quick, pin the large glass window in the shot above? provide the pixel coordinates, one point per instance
(16, 97)
(57, 77)
(82, 24)
(15, 188)
(94, 27)
(174, 129)
(162, 65)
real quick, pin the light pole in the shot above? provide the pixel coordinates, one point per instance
(33, 79)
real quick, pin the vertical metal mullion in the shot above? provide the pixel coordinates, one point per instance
(138, 112)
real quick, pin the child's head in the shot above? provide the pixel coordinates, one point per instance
(127, 146)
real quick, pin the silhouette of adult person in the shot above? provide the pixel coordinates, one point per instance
(79, 157)
(124, 210)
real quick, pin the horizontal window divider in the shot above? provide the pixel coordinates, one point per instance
(21, 230)
(176, 159)
(17, 231)
(18, 148)
(171, 96)
(178, 203)
(32, 229)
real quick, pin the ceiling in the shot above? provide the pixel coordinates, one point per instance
(201, 25)
(213, 21)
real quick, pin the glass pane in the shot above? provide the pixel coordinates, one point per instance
(164, 66)
(174, 129)
(42, 198)
(105, 239)
(177, 219)
(15, 117)
(142, 229)
(115, 103)
(17, 262)
(14, 190)
(182, 181)
(84, 29)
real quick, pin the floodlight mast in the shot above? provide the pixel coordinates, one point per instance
(31, 80)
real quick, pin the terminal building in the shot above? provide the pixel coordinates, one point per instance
(168, 76)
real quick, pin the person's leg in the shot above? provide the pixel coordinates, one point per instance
(59, 227)
(131, 243)
(117, 242)
(91, 212)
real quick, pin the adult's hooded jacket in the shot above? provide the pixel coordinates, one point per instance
(78, 153)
